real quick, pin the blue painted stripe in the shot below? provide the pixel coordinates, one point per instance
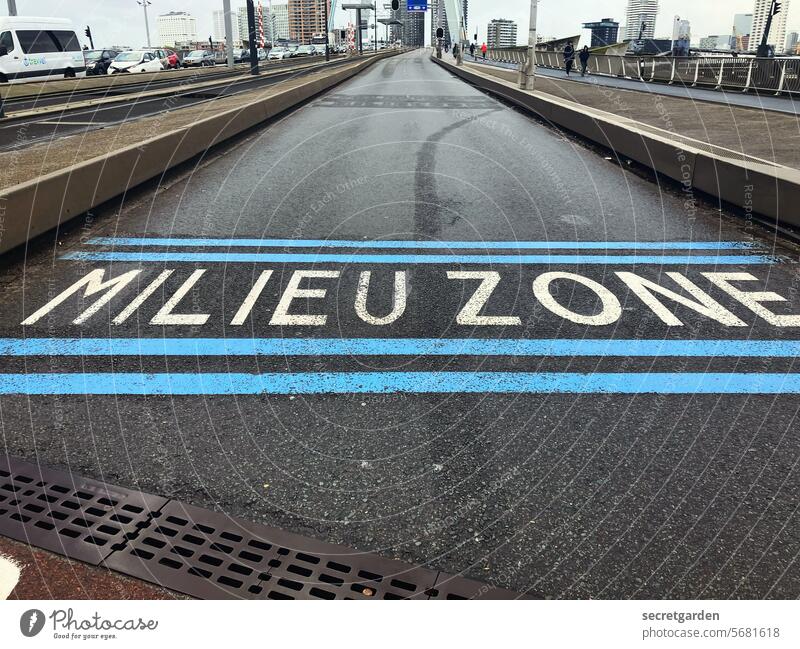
(394, 347)
(430, 245)
(299, 258)
(399, 382)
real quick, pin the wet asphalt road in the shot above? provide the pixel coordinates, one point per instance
(564, 495)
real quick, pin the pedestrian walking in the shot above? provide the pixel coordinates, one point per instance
(569, 57)
(584, 57)
(483, 50)
(472, 50)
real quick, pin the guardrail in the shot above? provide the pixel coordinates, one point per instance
(739, 73)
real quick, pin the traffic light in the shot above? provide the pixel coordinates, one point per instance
(776, 8)
(88, 32)
(439, 32)
(395, 5)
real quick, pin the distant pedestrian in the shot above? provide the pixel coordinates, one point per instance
(584, 57)
(483, 50)
(472, 50)
(569, 57)
(455, 50)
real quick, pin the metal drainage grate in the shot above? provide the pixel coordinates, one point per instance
(200, 552)
(80, 518)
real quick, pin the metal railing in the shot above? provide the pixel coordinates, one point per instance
(775, 75)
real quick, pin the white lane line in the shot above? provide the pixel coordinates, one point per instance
(9, 576)
(62, 122)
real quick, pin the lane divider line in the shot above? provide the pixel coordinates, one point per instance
(319, 258)
(305, 383)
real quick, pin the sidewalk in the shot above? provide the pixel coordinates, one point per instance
(44, 575)
(784, 103)
(749, 130)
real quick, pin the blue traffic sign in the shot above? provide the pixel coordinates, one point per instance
(418, 5)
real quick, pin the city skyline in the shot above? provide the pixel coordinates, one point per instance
(124, 23)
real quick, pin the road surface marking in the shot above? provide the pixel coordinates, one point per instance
(317, 258)
(67, 123)
(192, 383)
(93, 283)
(398, 347)
(463, 245)
(469, 314)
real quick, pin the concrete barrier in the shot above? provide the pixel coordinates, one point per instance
(756, 185)
(37, 206)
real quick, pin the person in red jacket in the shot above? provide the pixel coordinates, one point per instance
(483, 50)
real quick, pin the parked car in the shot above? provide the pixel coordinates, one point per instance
(35, 49)
(169, 59)
(262, 54)
(240, 55)
(97, 61)
(305, 50)
(278, 53)
(136, 61)
(199, 58)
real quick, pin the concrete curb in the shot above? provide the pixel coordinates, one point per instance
(32, 208)
(750, 183)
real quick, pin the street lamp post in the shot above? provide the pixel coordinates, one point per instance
(12, 7)
(251, 37)
(144, 4)
(227, 17)
(327, 44)
(527, 70)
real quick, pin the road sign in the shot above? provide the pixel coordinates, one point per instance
(418, 5)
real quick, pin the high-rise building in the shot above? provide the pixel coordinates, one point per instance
(640, 18)
(604, 32)
(777, 33)
(269, 20)
(438, 11)
(244, 34)
(219, 25)
(176, 27)
(280, 21)
(413, 30)
(681, 37)
(307, 19)
(791, 43)
(266, 19)
(466, 17)
(742, 28)
(501, 33)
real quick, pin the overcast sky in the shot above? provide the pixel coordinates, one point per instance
(120, 22)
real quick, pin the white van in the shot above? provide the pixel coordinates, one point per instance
(34, 49)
